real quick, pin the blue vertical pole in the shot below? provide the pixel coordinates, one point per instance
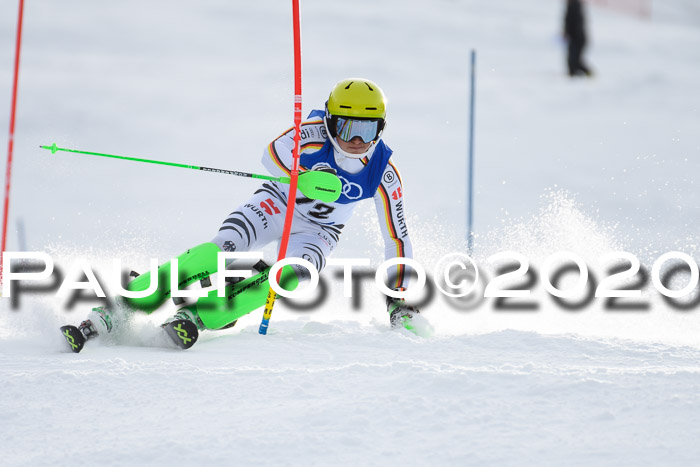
(470, 175)
(21, 235)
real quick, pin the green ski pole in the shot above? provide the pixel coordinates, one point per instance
(318, 185)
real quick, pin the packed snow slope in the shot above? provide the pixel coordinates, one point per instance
(588, 166)
(315, 394)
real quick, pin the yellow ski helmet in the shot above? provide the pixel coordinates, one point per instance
(356, 99)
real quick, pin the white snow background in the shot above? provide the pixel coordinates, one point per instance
(588, 166)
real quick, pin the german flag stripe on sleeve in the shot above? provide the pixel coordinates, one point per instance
(313, 146)
(276, 158)
(392, 231)
(398, 175)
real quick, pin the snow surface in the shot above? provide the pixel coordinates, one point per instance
(588, 166)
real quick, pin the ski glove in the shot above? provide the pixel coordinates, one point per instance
(327, 169)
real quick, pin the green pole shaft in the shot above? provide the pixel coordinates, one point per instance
(53, 148)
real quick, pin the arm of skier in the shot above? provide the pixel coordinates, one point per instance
(277, 157)
(389, 201)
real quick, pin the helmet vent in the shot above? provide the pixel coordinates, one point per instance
(366, 84)
(345, 106)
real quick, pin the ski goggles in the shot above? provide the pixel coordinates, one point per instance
(348, 128)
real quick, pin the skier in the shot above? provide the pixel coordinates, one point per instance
(344, 139)
(575, 34)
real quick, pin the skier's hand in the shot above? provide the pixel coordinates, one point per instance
(326, 169)
(320, 183)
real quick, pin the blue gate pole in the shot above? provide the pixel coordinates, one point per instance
(470, 175)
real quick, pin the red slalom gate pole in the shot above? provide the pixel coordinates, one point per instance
(8, 170)
(271, 295)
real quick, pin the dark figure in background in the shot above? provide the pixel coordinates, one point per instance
(575, 34)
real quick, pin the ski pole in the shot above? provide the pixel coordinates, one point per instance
(314, 184)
